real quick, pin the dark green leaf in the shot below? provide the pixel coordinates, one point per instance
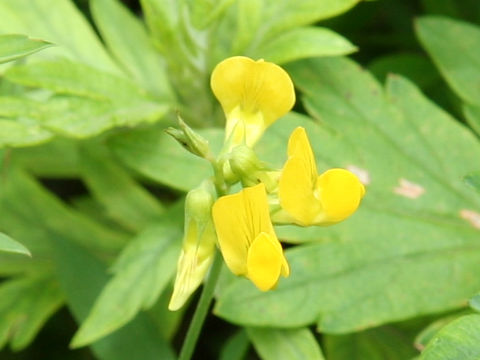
(146, 265)
(285, 344)
(25, 305)
(138, 339)
(236, 347)
(386, 342)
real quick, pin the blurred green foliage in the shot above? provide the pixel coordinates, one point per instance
(91, 186)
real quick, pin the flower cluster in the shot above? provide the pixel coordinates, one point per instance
(254, 94)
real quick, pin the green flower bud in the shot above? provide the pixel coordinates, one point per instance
(189, 139)
(198, 247)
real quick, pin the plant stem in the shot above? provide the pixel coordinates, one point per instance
(202, 309)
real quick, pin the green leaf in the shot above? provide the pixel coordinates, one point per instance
(25, 305)
(138, 339)
(473, 180)
(285, 344)
(14, 46)
(444, 39)
(83, 118)
(386, 342)
(16, 134)
(55, 159)
(475, 302)
(458, 340)
(418, 221)
(413, 66)
(73, 78)
(472, 115)
(146, 265)
(204, 12)
(79, 42)
(9, 245)
(128, 40)
(154, 154)
(304, 42)
(426, 335)
(124, 200)
(280, 15)
(31, 213)
(236, 347)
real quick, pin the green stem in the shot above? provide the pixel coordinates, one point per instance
(202, 309)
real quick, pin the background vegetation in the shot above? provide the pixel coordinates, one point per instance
(92, 187)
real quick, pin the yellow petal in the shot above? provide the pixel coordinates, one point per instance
(238, 219)
(265, 261)
(191, 270)
(253, 92)
(298, 179)
(340, 193)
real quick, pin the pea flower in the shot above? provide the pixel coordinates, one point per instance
(198, 246)
(246, 237)
(312, 199)
(253, 94)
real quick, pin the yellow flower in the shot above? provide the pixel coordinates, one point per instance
(246, 237)
(198, 248)
(253, 94)
(310, 199)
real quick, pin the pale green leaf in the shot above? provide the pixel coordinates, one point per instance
(280, 15)
(66, 27)
(16, 134)
(204, 12)
(475, 302)
(7, 244)
(426, 335)
(15, 46)
(124, 199)
(418, 221)
(444, 39)
(73, 78)
(460, 339)
(141, 273)
(155, 154)
(25, 305)
(303, 42)
(248, 16)
(82, 117)
(128, 40)
(285, 344)
(472, 115)
(473, 180)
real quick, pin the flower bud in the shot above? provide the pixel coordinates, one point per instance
(189, 139)
(198, 247)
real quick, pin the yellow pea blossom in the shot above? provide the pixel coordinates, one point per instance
(253, 94)
(312, 199)
(246, 237)
(198, 246)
